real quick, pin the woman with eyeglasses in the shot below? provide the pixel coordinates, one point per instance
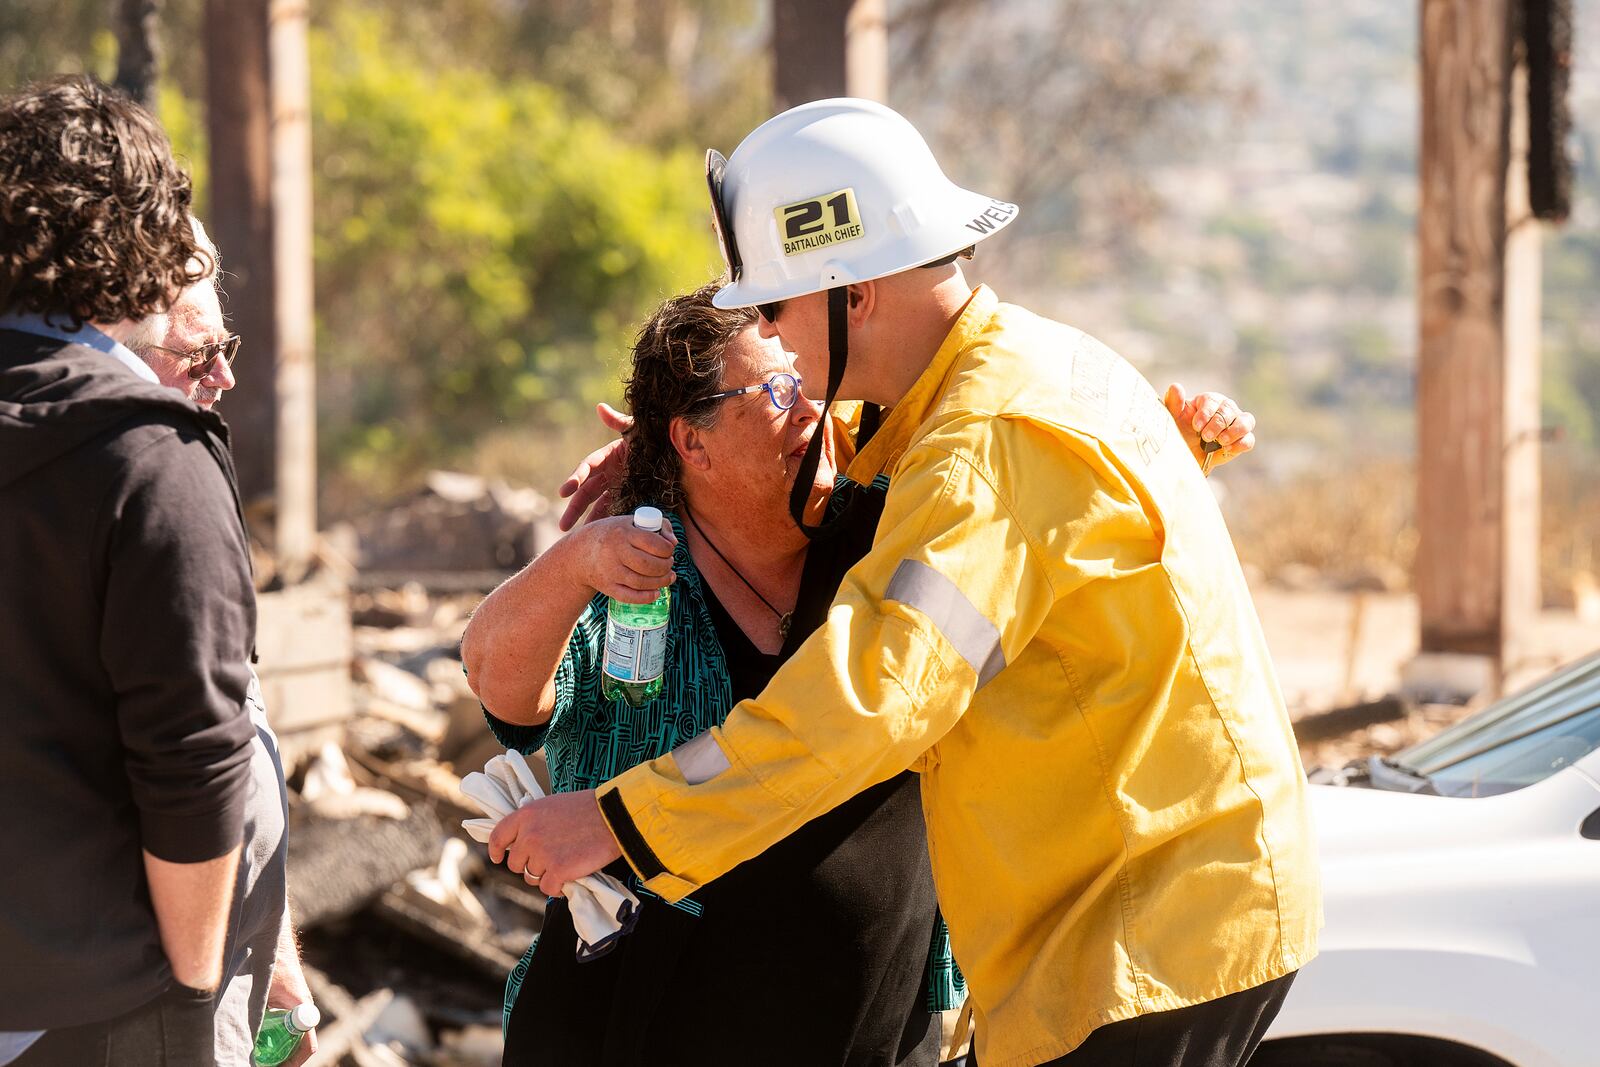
(827, 948)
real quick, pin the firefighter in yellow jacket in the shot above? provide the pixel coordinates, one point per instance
(1052, 627)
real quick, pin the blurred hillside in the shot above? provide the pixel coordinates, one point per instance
(1282, 263)
(1224, 190)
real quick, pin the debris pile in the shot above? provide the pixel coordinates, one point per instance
(1332, 739)
(456, 524)
(408, 932)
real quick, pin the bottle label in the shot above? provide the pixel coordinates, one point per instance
(635, 654)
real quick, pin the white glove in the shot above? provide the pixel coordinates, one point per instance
(603, 909)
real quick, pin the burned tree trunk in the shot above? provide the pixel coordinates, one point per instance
(1547, 35)
(827, 48)
(258, 118)
(1478, 360)
(138, 26)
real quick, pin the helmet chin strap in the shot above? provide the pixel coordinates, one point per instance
(838, 353)
(871, 415)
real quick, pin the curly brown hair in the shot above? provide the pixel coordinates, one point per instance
(678, 362)
(94, 211)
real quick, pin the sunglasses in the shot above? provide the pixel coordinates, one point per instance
(203, 359)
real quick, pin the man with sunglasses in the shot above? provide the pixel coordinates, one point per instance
(188, 348)
(1052, 626)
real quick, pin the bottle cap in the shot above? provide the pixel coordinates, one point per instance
(647, 518)
(305, 1017)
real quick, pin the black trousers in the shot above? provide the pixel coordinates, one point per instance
(1219, 1033)
(174, 1030)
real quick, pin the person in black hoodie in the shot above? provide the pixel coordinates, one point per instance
(127, 614)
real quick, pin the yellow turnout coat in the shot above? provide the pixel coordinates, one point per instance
(1052, 626)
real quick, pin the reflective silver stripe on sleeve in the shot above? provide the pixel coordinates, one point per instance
(700, 759)
(977, 639)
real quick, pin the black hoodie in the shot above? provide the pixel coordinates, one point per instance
(127, 619)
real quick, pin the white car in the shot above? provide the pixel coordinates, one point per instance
(1461, 882)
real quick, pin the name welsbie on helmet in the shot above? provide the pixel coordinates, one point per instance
(994, 216)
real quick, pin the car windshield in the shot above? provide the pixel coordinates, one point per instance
(1514, 742)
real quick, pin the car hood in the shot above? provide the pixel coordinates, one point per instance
(1354, 822)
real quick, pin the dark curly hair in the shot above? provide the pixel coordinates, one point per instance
(678, 361)
(94, 211)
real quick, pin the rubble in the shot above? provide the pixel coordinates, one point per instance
(457, 523)
(443, 884)
(471, 1046)
(1350, 740)
(330, 791)
(1339, 722)
(407, 606)
(401, 697)
(339, 866)
(409, 930)
(392, 684)
(402, 1024)
(345, 1020)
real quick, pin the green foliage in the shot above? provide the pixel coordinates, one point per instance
(1262, 374)
(1571, 383)
(483, 251)
(44, 37)
(1367, 348)
(655, 70)
(502, 192)
(1382, 264)
(185, 122)
(1571, 348)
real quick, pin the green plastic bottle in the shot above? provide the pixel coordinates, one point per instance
(281, 1033)
(636, 638)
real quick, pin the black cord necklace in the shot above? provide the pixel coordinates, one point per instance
(784, 617)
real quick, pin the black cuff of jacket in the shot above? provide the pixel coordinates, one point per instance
(188, 1026)
(193, 838)
(524, 739)
(634, 847)
(178, 993)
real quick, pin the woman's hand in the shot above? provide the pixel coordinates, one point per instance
(624, 562)
(1212, 417)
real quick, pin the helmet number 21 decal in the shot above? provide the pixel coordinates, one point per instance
(819, 222)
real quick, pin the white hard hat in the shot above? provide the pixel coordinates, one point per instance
(835, 192)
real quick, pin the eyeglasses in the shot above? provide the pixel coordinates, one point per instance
(782, 389)
(204, 358)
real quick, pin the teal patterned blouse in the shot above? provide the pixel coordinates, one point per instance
(590, 740)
